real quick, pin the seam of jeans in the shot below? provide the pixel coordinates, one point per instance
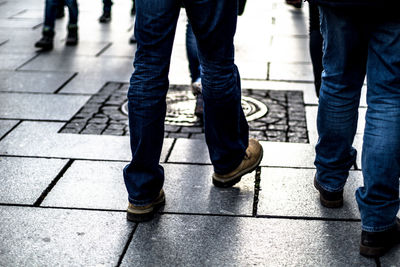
(328, 188)
(378, 229)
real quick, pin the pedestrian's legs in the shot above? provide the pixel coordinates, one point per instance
(73, 11)
(344, 60)
(378, 200)
(226, 129)
(154, 29)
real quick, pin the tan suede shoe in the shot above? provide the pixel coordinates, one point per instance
(145, 213)
(251, 160)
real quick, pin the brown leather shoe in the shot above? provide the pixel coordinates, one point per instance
(145, 213)
(251, 160)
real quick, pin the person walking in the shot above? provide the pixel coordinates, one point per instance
(227, 134)
(51, 8)
(361, 38)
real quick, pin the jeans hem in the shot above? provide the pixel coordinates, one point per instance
(328, 188)
(378, 229)
(141, 203)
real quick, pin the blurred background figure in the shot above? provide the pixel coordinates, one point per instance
(51, 11)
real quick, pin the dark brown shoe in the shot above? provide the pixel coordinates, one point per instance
(145, 213)
(329, 199)
(250, 162)
(376, 244)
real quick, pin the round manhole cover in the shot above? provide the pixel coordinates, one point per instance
(181, 104)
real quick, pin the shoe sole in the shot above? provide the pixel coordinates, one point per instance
(236, 178)
(327, 203)
(372, 252)
(145, 215)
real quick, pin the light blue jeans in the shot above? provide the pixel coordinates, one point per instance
(358, 43)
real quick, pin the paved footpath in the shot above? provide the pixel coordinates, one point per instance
(63, 144)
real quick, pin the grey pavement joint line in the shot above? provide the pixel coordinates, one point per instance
(256, 190)
(170, 151)
(268, 70)
(28, 61)
(6, 41)
(37, 26)
(15, 126)
(18, 13)
(127, 245)
(65, 83)
(103, 50)
(39, 201)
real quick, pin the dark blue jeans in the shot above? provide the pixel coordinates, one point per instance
(358, 43)
(51, 11)
(107, 5)
(192, 55)
(226, 129)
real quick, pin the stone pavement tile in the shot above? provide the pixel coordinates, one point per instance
(36, 82)
(13, 61)
(6, 125)
(84, 48)
(188, 189)
(279, 154)
(27, 140)
(107, 66)
(392, 258)
(290, 49)
(90, 83)
(290, 192)
(29, 14)
(123, 49)
(20, 23)
(20, 41)
(48, 237)
(290, 72)
(190, 151)
(292, 22)
(90, 184)
(25, 179)
(40, 106)
(182, 240)
(252, 69)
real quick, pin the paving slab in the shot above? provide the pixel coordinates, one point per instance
(48, 237)
(100, 185)
(49, 62)
(120, 49)
(40, 106)
(279, 154)
(25, 179)
(291, 72)
(27, 140)
(189, 151)
(20, 23)
(290, 192)
(290, 49)
(35, 82)
(90, 83)
(6, 125)
(13, 61)
(182, 240)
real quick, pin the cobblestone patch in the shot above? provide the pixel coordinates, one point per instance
(284, 118)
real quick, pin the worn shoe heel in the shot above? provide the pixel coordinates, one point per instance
(145, 213)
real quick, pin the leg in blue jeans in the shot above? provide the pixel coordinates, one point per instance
(192, 55)
(107, 5)
(344, 71)
(355, 45)
(51, 11)
(226, 127)
(378, 200)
